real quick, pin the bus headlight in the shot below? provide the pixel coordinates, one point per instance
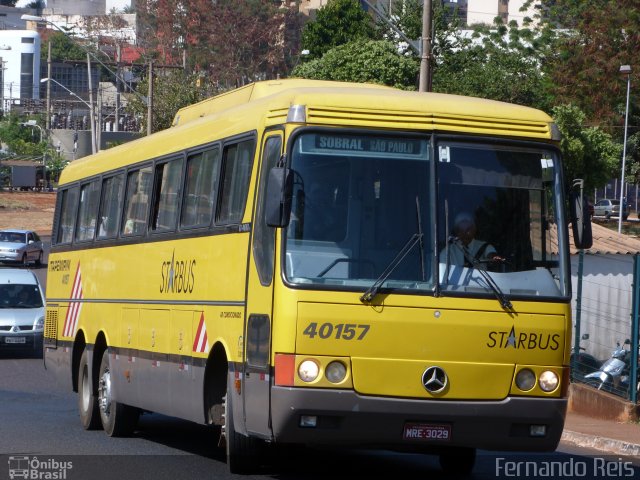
(548, 381)
(525, 380)
(308, 370)
(335, 372)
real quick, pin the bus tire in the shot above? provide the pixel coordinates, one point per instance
(458, 461)
(242, 451)
(87, 401)
(118, 420)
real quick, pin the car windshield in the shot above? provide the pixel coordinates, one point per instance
(363, 207)
(13, 237)
(18, 295)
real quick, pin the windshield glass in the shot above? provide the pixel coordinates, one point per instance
(18, 295)
(357, 200)
(499, 213)
(362, 217)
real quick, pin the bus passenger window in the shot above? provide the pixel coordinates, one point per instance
(137, 201)
(110, 206)
(236, 175)
(168, 180)
(89, 197)
(200, 190)
(67, 215)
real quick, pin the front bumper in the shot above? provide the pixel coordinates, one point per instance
(346, 418)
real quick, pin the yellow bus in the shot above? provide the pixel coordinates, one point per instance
(291, 261)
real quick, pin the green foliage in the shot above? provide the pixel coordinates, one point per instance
(20, 139)
(62, 48)
(588, 152)
(372, 61)
(171, 92)
(337, 23)
(8, 3)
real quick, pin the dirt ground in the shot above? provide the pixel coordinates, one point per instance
(28, 210)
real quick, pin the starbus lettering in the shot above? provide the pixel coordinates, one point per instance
(523, 340)
(177, 276)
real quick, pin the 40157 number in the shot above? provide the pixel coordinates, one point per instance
(344, 331)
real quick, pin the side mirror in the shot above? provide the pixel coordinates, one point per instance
(580, 221)
(278, 197)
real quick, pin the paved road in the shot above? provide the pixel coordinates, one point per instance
(40, 430)
(40, 420)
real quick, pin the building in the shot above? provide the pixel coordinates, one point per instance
(20, 72)
(484, 11)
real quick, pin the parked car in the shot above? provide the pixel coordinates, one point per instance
(21, 310)
(20, 246)
(610, 208)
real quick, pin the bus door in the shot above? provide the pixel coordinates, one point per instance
(258, 324)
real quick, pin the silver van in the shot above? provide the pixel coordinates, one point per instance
(21, 310)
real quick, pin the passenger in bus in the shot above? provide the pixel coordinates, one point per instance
(463, 238)
(321, 217)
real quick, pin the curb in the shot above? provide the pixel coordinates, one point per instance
(609, 445)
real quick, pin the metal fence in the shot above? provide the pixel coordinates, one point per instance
(606, 293)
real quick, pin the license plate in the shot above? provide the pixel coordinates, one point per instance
(15, 340)
(427, 431)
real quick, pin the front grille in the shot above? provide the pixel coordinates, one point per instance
(51, 328)
(22, 328)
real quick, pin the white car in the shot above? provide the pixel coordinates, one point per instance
(21, 246)
(21, 310)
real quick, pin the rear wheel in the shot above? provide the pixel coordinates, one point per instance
(87, 401)
(118, 420)
(242, 452)
(458, 461)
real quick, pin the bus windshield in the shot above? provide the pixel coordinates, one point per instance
(364, 214)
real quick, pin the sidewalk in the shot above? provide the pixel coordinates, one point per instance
(607, 435)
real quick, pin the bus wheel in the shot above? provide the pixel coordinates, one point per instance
(458, 461)
(242, 451)
(118, 420)
(87, 402)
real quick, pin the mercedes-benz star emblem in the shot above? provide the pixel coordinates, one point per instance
(434, 379)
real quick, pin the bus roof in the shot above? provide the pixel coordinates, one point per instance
(326, 103)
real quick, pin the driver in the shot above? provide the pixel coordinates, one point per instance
(464, 232)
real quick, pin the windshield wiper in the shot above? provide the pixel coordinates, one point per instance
(504, 301)
(372, 291)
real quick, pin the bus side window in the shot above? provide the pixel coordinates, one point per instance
(137, 201)
(168, 181)
(200, 189)
(68, 208)
(89, 198)
(264, 236)
(110, 206)
(236, 175)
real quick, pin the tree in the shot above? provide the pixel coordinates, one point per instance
(172, 91)
(62, 47)
(337, 23)
(232, 41)
(372, 61)
(602, 36)
(8, 3)
(588, 152)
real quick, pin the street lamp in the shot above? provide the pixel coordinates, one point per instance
(33, 123)
(625, 70)
(92, 123)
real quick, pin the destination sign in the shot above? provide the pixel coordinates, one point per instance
(364, 145)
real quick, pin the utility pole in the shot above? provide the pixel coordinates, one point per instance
(117, 114)
(425, 61)
(92, 116)
(150, 100)
(47, 123)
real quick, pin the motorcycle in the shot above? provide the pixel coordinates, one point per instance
(582, 363)
(613, 374)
